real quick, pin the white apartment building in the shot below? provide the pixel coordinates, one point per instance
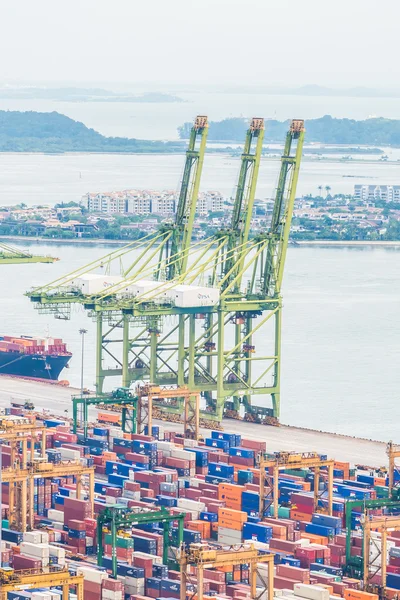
(209, 202)
(163, 203)
(110, 203)
(388, 193)
(138, 202)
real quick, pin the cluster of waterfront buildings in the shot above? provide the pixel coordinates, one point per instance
(364, 210)
(148, 202)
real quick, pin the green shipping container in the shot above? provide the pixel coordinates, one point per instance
(122, 542)
(297, 472)
(382, 491)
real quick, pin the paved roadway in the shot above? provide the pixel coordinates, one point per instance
(57, 400)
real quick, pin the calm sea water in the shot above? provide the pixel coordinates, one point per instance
(341, 333)
(47, 179)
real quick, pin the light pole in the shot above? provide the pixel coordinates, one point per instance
(82, 332)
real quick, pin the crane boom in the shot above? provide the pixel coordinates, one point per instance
(182, 228)
(238, 234)
(279, 230)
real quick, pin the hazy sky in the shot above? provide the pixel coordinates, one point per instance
(337, 42)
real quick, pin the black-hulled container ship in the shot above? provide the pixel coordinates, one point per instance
(33, 357)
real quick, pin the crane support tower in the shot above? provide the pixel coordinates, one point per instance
(355, 564)
(271, 465)
(206, 315)
(21, 480)
(375, 551)
(169, 400)
(121, 398)
(196, 558)
(17, 581)
(115, 519)
(393, 452)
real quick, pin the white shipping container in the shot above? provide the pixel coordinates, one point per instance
(165, 446)
(146, 289)
(56, 551)
(69, 454)
(41, 596)
(92, 283)
(131, 495)
(92, 574)
(39, 550)
(33, 537)
(262, 546)
(191, 296)
(45, 537)
(112, 500)
(194, 482)
(226, 535)
(191, 504)
(55, 515)
(110, 595)
(183, 454)
(136, 585)
(312, 592)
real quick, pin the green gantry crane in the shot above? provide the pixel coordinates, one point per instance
(179, 234)
(355, 564)
(12, 256)
(118, 518)
(196, 347)
(121, 397)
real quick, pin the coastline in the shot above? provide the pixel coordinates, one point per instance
(348, 243)
(105, 242)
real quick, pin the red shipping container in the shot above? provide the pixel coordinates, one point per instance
(300, 575)
(144, 563)
(253, 445)
(281, 583)
(77, 525)
(22, 563)
(132, 486)
(113, 585)
(66, 437)
(191, 493)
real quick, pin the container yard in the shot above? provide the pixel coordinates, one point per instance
(111, 514)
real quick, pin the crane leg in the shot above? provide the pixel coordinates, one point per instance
(99, 354)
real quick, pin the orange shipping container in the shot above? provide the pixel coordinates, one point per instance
(296, 515)
(379, 481)
(231, 495)
(108, 417)
(230, 524)
(108, 455)
(204, 527)
(350, 594)
(234, 515)
(316, 539)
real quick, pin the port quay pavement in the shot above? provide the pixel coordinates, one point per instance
(56, 400)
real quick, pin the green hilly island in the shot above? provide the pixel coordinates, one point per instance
(326, 130)
(53, 132)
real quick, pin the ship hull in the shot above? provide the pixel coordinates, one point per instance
(40, 366)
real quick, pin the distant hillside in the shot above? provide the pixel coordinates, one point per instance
(326, 130)
(53, 132)
(72, 94)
